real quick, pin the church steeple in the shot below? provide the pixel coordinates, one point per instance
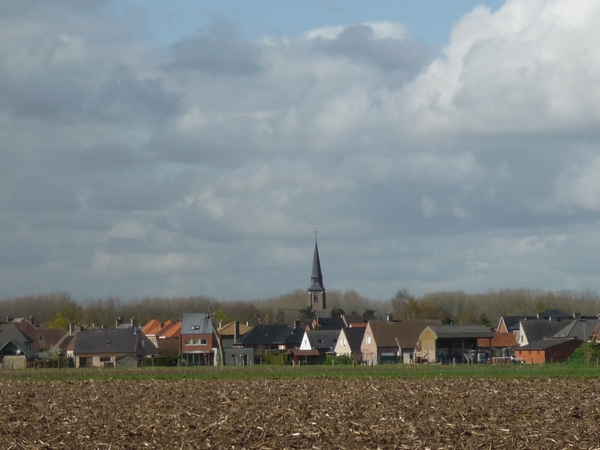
(316, 292)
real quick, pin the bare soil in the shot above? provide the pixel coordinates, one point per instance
(319, 413)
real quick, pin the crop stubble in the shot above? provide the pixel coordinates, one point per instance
(319, 413)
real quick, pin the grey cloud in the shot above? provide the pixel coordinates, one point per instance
(125, 97)
(358, 42)
(218, 51)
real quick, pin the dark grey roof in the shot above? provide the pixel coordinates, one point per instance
(331, 323)
(555, 314)
(512, 322)
(536, 330)
(114, 340)
(10, 332)
(545, 344)
(196, 323)
(323, 339)
(462, 331)
(15, 347)
(354, 337)
(272, 335)
(580, 329)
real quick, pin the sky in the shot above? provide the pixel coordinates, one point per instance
(190, 148)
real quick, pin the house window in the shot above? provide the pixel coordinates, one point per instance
(195, 327)
(202, 342)
(320, 341)
(315, 298)
(368, 340)
(40, 337)
(104, 358)
(188, 342)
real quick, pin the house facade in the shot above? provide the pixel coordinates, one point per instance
(198, 346)
(389, 341)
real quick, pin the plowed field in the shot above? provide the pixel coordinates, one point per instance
(319, 413)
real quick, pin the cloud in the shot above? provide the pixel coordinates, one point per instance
(204, 167)
(218, 50)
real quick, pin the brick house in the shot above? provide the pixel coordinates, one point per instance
(548, 350)
(197, 342)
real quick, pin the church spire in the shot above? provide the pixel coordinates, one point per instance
(316, 291)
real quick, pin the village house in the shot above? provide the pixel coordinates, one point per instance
(390, 342)
(548, 350)
(198, 346)
(235, 355)
(164, 335)
(349, 342)
(111, 347)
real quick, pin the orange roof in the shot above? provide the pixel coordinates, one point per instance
(152, 327)
(500, 340)
(155, 327)
(171, 331)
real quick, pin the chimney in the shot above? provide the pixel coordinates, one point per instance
(32, 320)
(119, 322)
(390, 317)
(9, 318)
(220, 324)
(133, 322)
(236, 330)
(577, 315)
(297, 323)
(71, 328)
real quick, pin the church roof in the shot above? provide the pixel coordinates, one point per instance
(316, 274)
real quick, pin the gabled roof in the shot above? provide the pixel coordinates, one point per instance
(152, 327)
(41, 337)
(354, 336)
(512, 322)
(462, 331)
(545, 344)
(403, 334)
(18, 347)
(196, 323)
(536, 330)
(9, 331)
(323, 339)
(351, 319)
(228, 330)
(580, 328)
(113, 340)
(172, 331)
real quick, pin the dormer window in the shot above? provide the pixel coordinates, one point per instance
(109, 342)
(195, 327)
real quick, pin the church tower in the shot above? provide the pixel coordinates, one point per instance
(317, 299)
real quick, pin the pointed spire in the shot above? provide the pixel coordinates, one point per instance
(316, 267)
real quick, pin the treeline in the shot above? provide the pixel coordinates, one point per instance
(60, 309)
